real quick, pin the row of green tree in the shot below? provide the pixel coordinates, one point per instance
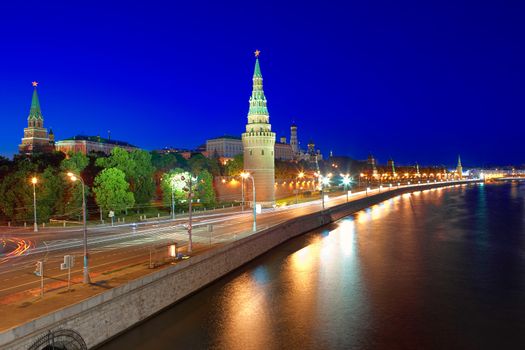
(119, 182)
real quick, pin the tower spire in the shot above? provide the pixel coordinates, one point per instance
(459, 168)
(35, 112)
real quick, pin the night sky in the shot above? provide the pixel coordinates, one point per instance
(417, 81)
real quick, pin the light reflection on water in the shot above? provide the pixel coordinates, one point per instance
(436, 269)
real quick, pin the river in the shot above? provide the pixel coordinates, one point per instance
(436, 269)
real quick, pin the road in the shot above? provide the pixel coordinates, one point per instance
(118, 248)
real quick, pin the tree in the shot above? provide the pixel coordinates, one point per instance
(205, 190)
(50, 194)
(138, 170)
(171, 181)
(112, 191)
(167, 161)
(141, 181)
(75, 162)
(120, 159)
(235, 166)
(16, 196)
(198, 162)
(5, 166)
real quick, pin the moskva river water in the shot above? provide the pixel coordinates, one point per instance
(439, 269)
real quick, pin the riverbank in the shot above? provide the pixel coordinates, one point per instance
(101, 317)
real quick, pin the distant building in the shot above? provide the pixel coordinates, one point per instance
(283, 150)
(184, 152)
(311, 155)
(225, 147)
(36, 138)
(371, 164)
(88, 144)
(293, 139)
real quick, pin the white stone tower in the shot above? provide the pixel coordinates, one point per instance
(259, 142)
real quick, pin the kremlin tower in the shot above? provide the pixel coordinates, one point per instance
(36, 138)
(259, 142)
(459, 168)
(293, 140)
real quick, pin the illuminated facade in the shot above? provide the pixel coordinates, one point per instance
(36, 138)
(283, 150)
(88, 144)
(259, 142)
(224, 147)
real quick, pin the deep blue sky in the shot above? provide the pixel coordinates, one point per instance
(418, 81)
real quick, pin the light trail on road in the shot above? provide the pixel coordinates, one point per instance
(128, 244)
(19, 246)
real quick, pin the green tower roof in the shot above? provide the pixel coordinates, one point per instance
(35, 112)
(257, 70)
(257, 100)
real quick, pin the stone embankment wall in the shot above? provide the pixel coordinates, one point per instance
(99, 318)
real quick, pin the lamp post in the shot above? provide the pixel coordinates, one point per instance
(172, 180)
(34, 180)
(189, 188)
(325, 180)
(299, 176)
(242, 192)
(246, 175)
(346, 182)
(74, 178)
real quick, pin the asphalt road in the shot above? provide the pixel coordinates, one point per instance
(117, 248)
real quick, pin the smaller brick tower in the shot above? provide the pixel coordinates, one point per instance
(36, 138)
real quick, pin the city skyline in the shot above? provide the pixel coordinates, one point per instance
(318, 81)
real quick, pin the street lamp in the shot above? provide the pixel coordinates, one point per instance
(34, 180)
(325, 181)
(74, 178)
(346, 182)
(189, 189)
(299, 176)
(172, 181)
(246, 175)
(242, 192)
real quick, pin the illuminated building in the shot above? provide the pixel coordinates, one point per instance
(224, 147)
(88, 144)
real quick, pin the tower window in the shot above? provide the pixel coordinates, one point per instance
(262, 152)
(250, 152)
